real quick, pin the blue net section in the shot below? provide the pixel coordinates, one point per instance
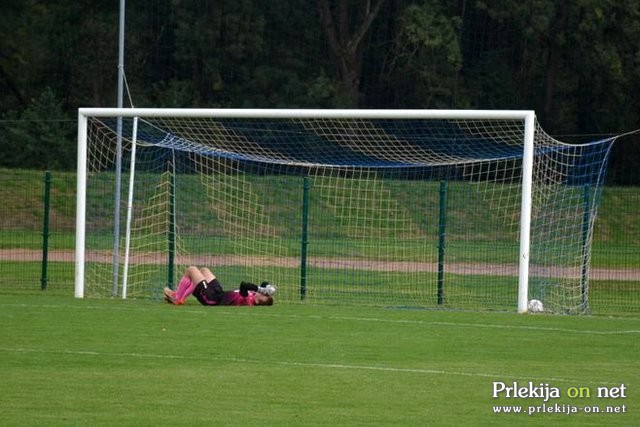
(356, 143)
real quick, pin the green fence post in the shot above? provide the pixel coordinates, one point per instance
(45, 229)
(304, 240)
(441, 240)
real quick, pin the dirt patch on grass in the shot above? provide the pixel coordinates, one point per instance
(25, 255)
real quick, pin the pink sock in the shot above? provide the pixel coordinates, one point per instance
(185, 288)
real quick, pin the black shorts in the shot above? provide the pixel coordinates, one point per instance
(211, 294)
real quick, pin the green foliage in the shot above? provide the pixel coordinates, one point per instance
(425, 59)
(575, 63)
(41, 136)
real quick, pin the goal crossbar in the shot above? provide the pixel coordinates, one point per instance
(275, 113)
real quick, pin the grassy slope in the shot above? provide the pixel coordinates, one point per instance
(617, 225)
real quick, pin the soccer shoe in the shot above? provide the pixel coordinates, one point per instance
(170, 296)
(173, 301)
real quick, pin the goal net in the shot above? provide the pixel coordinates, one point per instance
(416, 208)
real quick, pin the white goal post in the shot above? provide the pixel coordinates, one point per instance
(525, 129)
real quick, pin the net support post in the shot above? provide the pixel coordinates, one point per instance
(442, 232)
(525, 212)
(171, 238)
(45, 229)
(584, 277)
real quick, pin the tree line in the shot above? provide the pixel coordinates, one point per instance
(576, 63)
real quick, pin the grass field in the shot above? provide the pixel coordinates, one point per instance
(140, 362)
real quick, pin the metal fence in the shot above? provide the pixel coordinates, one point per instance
(37, 231)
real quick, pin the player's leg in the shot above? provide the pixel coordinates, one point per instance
(207, 274)
(194, 274)
(185, 288)
(212, 281)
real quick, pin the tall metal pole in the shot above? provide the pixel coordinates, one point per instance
(118, 177)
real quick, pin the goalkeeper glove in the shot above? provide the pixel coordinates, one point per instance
(267, 288)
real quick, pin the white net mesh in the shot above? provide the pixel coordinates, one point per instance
(398, 212)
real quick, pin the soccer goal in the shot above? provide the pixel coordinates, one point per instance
(461, 209)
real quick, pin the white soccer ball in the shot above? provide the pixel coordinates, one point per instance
(535, 306)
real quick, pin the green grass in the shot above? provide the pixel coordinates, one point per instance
(111, 362)
(326, 285)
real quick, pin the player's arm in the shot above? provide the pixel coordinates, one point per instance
(245, 287)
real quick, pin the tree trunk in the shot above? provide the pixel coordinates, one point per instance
(346, 43)
(553, 62)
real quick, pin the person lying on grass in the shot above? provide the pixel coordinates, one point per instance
(205, 287)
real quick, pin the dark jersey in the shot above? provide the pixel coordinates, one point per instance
(212, 294)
